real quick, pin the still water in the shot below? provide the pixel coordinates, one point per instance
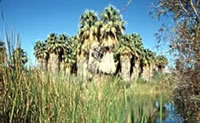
(172, 115)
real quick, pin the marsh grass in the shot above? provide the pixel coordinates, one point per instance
(37, 96)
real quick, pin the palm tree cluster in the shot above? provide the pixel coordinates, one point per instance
(100, 46)
(55, 53)
(12, 56)
(136, 61)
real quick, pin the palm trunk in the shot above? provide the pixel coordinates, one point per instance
(68, 70)
(125, 67)
(152, 70)
(62, 67)
(145, 73)
(46, 65)
(43, 64)
(65, 69)
(136, 70)
(40, 63)
(93, 61)
(82, 64)
(160, 69)
(54, 63)
(107, 64)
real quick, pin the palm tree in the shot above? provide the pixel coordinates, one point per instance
(125, 50)
(37, 52)
(55, 47)
(147, 64)
(111, 30)
(137, 56)
(88, 37)
(75, 46)
(161, 62)
(95, 49)
(44, 56)
(2, 58)
(19, 57)
(152, 62)
(88, 32)
(2, 52)
(69, 57)
(41, 54)
(130, 48)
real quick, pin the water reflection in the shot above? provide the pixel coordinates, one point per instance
(172, 116)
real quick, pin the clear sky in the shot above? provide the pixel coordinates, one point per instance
(35, 19)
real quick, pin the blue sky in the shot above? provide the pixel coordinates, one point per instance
(35, 19)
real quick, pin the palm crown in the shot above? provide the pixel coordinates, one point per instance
(20, 56)
(88, 32)
(40, 50)
(2, 51)
(69, 51)
(148, 57)
(113, 25)
(55, 44)
(161, 61)
(37, 49)
(130, 44)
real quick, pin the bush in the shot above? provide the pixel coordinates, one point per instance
(187, 96)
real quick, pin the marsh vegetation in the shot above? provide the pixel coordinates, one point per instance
(102, 74)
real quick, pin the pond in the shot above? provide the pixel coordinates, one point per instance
(172, 115)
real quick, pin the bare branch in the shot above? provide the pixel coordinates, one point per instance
(184, 9)
(194, 9)
(129, 2)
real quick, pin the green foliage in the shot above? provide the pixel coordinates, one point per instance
(40, 50)
(89, 29)
(19, 56)
(113, 25)
(62, 45)
(127, 46)
(149, 56)
(2, 46)
(92, 29)
(55, 44)
(136, 38)
(88, 19)
(2, 51)
(161, 60)
(37, 48)
(69, 55)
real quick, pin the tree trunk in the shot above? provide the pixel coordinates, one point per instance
(95, 55)
(62, 68)
(40, 63)
(160, 69)
(136, 70)
(46, 65)
(107, 64)
(145, 74)
(82, 64)
(54, 63)
(43, 64)
(125, 67)
(65, 69)
(152, 70)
